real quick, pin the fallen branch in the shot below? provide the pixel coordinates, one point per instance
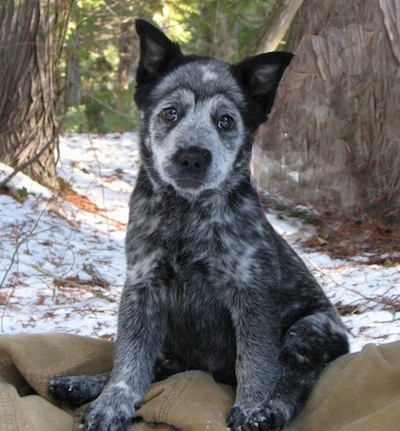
(65, 281)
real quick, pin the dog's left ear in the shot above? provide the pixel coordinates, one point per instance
(260, 76)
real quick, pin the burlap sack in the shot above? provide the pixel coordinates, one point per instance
(358, 392)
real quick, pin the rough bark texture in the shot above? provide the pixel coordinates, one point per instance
(30, 33)
(333, 138)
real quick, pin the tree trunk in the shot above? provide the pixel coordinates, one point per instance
(31, 32)
(333, 138)
(126, 44)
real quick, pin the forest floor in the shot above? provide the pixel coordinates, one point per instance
(62, 259)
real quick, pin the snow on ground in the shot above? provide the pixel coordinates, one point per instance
(62, 259)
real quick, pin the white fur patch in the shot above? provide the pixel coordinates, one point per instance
(208, 74)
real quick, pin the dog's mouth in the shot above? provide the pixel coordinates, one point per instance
(189, 183)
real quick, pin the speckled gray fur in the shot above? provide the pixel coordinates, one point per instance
(210, 285)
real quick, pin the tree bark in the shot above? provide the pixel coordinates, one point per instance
(31, 33)
(333, 137)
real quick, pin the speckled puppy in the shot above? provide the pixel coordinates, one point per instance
(210, 285)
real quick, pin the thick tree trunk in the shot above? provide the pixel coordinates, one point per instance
(333, 138)
(30, 35)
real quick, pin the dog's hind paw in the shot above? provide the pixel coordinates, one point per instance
(112, 411)
(77, 390)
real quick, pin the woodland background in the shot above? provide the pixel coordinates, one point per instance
(332, 142)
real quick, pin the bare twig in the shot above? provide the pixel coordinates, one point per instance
(21, 240)
(381, 299)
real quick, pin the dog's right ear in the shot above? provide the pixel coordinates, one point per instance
(156, 52)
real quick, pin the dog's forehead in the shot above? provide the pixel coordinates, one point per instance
(205, 78)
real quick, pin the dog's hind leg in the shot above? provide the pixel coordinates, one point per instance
(78, 390)
(307, 347)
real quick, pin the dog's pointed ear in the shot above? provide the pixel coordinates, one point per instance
(156, 52)
(260, 76)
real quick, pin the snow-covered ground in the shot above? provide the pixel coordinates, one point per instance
(62, 258)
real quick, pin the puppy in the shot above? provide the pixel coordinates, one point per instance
(210, 285)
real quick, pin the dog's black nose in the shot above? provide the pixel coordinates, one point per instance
(193, 161)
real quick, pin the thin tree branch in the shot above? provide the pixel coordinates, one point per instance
(275, 26)
(28, 162)
(36, 157)
(105, 105)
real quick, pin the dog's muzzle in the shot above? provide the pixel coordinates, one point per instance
(191, 166)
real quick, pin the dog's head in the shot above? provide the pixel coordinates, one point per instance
(198, 114)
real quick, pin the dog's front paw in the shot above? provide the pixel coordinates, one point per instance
(272, 416)
(114, 410)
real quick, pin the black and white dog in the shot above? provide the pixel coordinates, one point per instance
(210, 285)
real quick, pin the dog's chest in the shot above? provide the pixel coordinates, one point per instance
(207, 241)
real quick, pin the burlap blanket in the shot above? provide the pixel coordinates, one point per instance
(358, 392)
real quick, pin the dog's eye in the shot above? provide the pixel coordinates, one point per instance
(169, 115)
(225, 122)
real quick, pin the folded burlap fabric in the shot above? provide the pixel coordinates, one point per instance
(357, 392)
(29, 362)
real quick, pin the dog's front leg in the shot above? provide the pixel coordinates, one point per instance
(257, 362)
(141, 330)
